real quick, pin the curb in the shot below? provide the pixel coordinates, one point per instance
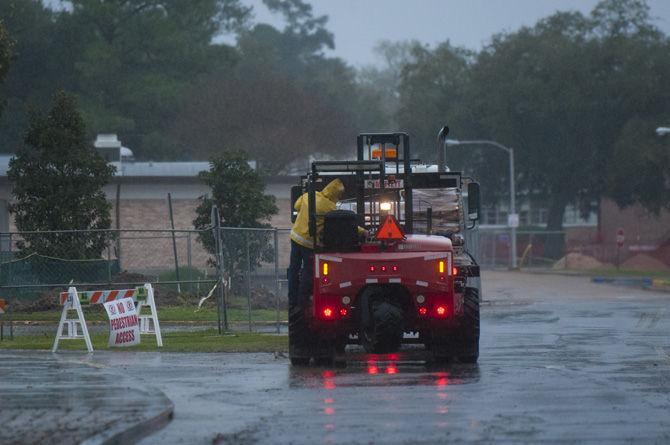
(624, 281)
(645, 283)
(561, 272)
(134, 433)
(660, 285)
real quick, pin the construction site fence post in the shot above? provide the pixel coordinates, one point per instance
(216, 232)
(247, 264)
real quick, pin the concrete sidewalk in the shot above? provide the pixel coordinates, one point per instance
(67, 398)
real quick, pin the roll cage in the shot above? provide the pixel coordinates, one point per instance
(368, 182)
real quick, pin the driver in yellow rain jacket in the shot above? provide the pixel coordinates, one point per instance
(302, 245)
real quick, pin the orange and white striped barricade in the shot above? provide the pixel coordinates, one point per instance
(72, 300)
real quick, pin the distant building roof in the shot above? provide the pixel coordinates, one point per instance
(160, 169)
(143, 169)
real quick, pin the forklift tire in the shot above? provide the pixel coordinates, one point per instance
(324, 361)
(299, 338)
(441, 347)
(386, 332)
(300, 361)
(323, 350)
(470, 331)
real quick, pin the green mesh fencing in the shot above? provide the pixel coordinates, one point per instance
(43, 270)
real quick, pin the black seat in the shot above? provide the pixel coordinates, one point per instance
(340, 231)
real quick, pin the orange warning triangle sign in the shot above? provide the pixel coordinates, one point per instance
(390, 230)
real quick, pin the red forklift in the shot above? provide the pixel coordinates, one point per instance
(411, 281)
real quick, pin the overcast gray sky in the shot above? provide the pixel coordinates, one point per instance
(359, 24)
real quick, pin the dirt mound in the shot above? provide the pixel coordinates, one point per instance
(261, 298)
(129, 277)
(577, 261)
(644, 262)
(47, 301)
(166, 295)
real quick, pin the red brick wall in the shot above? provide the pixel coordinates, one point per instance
(640, 226)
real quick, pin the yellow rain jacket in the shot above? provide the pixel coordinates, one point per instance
(326, 201)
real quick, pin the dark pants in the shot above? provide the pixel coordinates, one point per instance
(300, 274)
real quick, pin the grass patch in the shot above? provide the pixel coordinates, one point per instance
(165, 314)
(202, 341)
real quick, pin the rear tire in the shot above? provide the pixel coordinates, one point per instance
(470, 331)
(461, 344)
(385, 334)
(325, 361)
(441, 347)
(299, 338)
(299, 361)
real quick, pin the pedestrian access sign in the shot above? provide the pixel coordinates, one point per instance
(124, 326)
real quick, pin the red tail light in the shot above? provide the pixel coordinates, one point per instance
(441, 311)
(454, 271)
(328, 312)
(423, 311)
(344, 312)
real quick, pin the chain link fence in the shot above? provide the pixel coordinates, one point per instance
(254, 272)
(566, 250)
(536, 248)
(181, 264)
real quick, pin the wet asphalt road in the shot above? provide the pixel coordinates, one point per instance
(562, 360)
(55, 399)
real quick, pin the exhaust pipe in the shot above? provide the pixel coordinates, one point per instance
(442, 148)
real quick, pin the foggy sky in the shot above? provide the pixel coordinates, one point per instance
(359, 24)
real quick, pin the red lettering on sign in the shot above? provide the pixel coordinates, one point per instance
(124, 337)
